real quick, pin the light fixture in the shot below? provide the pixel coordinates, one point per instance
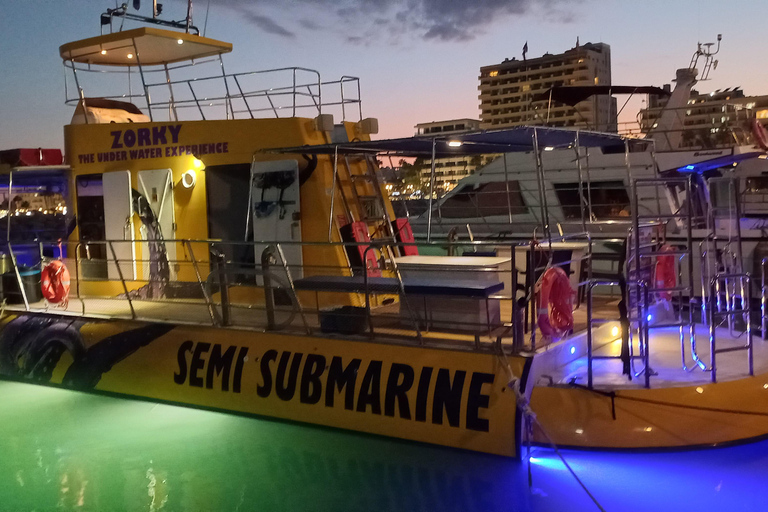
(573, 350)
(454, 143)
(180, 41)
(579, 431)
(198, 163)
(130, 55)
(103, 52)
(649, 317)
(549, 148)
(614, 331)
(188, 179)
(699, 390)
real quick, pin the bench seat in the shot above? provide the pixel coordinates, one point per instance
(412, 285)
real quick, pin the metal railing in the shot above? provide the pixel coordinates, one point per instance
(279, 92)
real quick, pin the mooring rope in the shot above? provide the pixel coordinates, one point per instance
(530, 417)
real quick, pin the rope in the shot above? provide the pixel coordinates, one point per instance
(530, 417)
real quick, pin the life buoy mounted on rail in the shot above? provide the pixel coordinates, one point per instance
(554, 303)
(54, 282)
(664, 272)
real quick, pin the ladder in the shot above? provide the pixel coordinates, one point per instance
(730, 288)
(650, 249)
(367, 195)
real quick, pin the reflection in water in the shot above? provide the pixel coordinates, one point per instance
(71, 451)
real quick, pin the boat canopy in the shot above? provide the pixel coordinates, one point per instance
(521, 138)
(145, 46)
(573, 94)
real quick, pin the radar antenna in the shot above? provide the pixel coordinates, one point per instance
(705, 50)
(157, 9)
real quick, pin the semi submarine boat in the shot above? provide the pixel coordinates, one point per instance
(193, 252)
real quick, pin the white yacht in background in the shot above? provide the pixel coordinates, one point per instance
(590, 189)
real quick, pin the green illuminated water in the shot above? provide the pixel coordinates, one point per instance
(63, 450)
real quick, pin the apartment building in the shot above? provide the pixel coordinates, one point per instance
(507, 90)
(448, 171)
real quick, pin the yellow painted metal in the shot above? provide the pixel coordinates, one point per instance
(671, 417)
(476, 411)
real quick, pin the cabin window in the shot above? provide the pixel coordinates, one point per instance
(91, 225)
(757, 184)
(609, 199)
(37, 205)
(484, 200)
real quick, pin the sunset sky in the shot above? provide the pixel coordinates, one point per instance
(417, 60)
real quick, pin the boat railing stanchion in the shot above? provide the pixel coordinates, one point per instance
(763, 300)
(590, 285)
(211, 310)
(221, 270)
(296, 302)
(122, 280)
(18, 276)
(269, 299)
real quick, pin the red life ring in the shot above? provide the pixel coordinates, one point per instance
(554, 299)
(54, 282)
(664, 273)
(760, 133)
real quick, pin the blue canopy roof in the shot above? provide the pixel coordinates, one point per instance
(470, 143)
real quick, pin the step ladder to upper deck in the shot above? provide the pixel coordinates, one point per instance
(666, 266)
(726, 285)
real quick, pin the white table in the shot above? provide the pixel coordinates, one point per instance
(457, 312)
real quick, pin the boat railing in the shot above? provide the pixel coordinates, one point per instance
(474, 304)
(279, 92)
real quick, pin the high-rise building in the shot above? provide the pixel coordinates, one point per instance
(508, 89)
(448, 171)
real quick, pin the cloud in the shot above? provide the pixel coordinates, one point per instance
(434, 20)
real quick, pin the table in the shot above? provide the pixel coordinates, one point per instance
(460, 313)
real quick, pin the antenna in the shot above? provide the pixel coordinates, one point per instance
(705, 50)
(157, 9)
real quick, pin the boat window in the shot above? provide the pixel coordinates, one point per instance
(90, 221)
(483, 200)
(37, 205)
(609, 199)
(757, 184)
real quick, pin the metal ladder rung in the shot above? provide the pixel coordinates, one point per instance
(662, 326)
(731, 312)
(673, 289)
(732, 349)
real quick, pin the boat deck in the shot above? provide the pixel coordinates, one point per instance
(565, 359)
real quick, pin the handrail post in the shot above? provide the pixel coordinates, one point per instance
(18, 277)
(221, 269)
(589, 334)
(122, 280)
(712, 328)
(763, 300)
(293, 288)
(208, 302)
(269, 298)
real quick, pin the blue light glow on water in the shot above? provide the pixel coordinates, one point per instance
(63, 450)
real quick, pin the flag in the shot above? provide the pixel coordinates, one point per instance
(525, 49)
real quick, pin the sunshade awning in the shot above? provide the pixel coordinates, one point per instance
(147, 46)
(573, 94)
(522, 138)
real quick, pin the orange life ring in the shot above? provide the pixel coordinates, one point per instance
(54, 282)
(664, 273)
(554, 299)
(760, 133)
